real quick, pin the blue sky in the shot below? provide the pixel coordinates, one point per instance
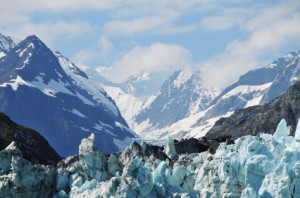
(223, 39)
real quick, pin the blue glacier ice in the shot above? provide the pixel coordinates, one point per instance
(170, 148)
(282, 130)
(254, 166)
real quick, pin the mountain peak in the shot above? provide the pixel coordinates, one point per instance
(293, 55)
(33, 38)
(32, 60)
(182, 76)
(34, 42)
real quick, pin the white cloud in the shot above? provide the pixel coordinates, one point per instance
(154, 58)
(140, 24)
(268, 31)
(228, 18)
(58, 6)
(124, 17)
(103, 49)
(84, 56)
(20, 18)
(106, 46)
(48, 31)
(281, 11)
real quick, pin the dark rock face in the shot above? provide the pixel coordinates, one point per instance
(33, 146)
(144, 150)
(258, 119)
(191, 145)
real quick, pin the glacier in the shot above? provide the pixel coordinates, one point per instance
(253, 166)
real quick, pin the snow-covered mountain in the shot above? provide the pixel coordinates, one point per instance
(253, 88)
(180, 96)
(45, 91)
(259, 86)
(130, 94)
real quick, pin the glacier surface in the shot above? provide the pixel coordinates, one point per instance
(254, 166)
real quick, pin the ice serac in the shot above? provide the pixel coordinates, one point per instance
(45, 91)
(91, 159)
(170, 148)
(87, 145)
(282, 130)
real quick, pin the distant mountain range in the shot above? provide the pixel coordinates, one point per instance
(43, 90)
(187, 109)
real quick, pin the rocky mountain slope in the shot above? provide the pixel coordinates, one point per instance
(263, 166)
(33, 146)
(258, 119)
(43, 90)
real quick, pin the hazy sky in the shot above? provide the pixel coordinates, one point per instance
(128, 37)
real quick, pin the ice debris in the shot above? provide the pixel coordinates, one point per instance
(254, 166)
